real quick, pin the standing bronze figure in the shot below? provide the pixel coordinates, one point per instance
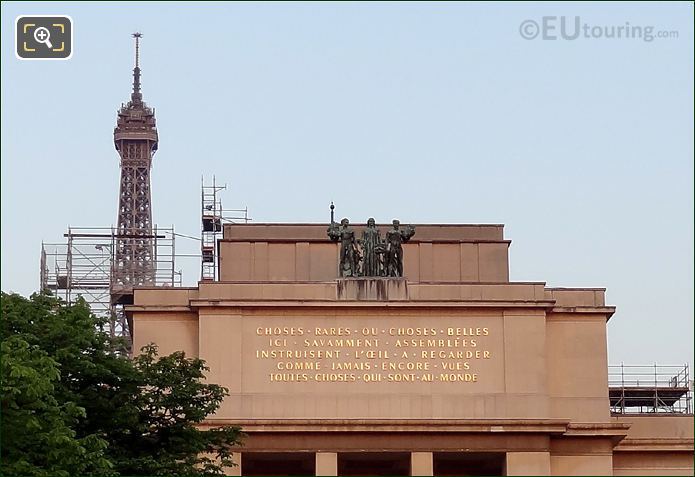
(372, 250)
(394, 248)
(349, 254)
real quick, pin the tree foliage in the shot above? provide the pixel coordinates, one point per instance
(37, 438)
(73, 404)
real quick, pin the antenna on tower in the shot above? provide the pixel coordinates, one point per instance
(137, 35)
(136, 96)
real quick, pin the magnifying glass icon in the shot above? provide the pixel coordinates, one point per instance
(42, 35)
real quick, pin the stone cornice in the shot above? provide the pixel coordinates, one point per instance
(545, 426)
(656, 445)
(615, 430)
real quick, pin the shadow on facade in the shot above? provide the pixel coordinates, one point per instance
(279, 463)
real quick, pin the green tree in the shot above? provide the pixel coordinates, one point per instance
(172, 401)
(148, 410)
(37, 439)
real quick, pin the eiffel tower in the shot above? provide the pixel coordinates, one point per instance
(135, 138)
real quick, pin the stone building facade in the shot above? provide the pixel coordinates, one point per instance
(450, 370)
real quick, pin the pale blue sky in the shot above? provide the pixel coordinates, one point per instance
(426, 112)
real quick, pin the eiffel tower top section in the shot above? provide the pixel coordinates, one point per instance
(136, 120)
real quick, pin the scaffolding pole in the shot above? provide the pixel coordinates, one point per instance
(213, 218)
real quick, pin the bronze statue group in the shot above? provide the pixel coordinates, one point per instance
(370, 256)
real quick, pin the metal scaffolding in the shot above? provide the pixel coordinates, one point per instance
(649, 389)
(213, 217)
(85, 266)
